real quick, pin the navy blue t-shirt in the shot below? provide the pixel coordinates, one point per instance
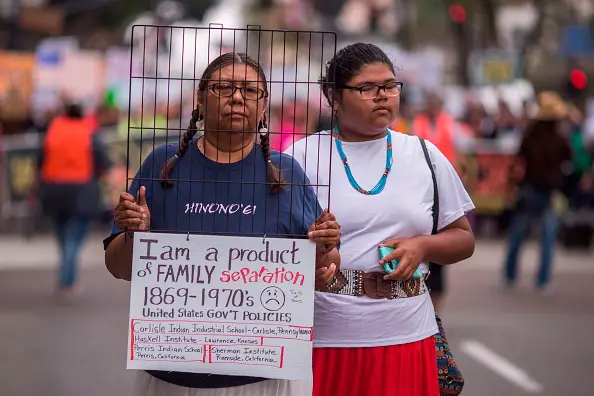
(227, 199)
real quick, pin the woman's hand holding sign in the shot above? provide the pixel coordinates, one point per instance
(325, 232)
(133, 214)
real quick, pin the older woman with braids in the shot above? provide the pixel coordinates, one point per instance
(224, 168)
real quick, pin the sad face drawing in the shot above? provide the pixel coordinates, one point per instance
(272, 298)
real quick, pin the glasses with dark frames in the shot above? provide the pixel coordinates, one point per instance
(370, 91)
(248, 93)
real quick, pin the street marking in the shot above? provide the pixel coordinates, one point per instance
(501, 366)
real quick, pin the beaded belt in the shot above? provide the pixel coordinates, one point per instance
(372, 284)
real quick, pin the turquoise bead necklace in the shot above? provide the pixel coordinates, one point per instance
(379, 187)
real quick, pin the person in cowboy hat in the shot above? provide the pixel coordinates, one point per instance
(542, 154)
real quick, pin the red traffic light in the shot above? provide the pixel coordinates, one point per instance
(457, 13)
(578, 79)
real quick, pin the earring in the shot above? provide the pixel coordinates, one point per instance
(262, 127)
(199, 119)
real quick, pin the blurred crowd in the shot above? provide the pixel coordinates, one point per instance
(452, 134)
(481, 134)
(292, 120)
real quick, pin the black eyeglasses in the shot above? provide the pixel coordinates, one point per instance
(248, 93)
(371, 91)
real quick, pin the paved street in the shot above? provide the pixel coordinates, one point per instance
(507, 344)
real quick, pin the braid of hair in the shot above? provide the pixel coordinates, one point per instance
(274, 177)
(184, 143)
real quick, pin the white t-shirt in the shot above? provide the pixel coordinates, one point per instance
(402, 209)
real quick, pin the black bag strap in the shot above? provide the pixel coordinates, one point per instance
(435, 208)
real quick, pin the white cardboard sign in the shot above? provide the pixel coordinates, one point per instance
(222, 305)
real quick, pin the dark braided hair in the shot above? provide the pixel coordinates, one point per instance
(184, 143)
(274, 179)
(347, 63)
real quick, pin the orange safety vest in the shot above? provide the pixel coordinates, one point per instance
(68, 152)
(442, 136)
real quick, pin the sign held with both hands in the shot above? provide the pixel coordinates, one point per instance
(222, 305)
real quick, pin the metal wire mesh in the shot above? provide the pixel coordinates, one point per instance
(221, 195)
